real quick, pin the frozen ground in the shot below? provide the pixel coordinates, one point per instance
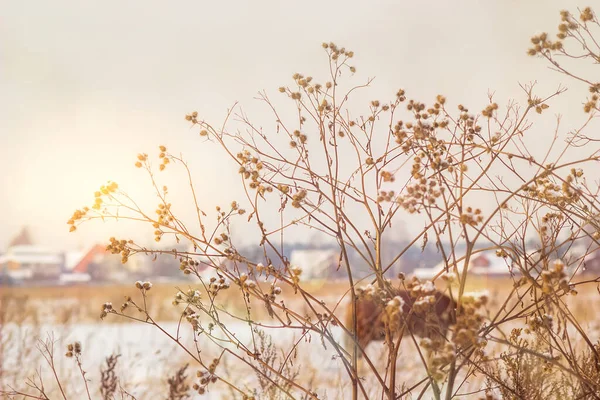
(148, 357)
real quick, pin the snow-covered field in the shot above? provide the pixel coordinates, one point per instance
(148, 357)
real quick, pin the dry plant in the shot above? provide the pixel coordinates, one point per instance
(473, 180)
(108, 378)
(178, 387)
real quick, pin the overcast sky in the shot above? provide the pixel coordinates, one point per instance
(86, 85)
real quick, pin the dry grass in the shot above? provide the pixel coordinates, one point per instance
(72, 304)
(88, 299)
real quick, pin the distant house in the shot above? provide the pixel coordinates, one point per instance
(22, 262)
(94, 254)
(483, 264)
(102, 265)
(489, 264)
(317, 264)
(70, 275)
(72, 258)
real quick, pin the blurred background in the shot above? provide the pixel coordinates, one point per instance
(86, 86)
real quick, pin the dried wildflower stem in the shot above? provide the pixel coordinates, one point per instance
(46, 348)
(338, 176)
(83, 378)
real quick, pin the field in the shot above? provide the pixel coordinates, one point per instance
(70, 314)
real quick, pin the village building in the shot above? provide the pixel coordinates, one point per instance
(318, 264)
(98, 265)
(485, 263)
(25, 260)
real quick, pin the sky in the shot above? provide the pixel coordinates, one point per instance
(86, 85)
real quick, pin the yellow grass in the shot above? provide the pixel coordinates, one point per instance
(83, 303)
